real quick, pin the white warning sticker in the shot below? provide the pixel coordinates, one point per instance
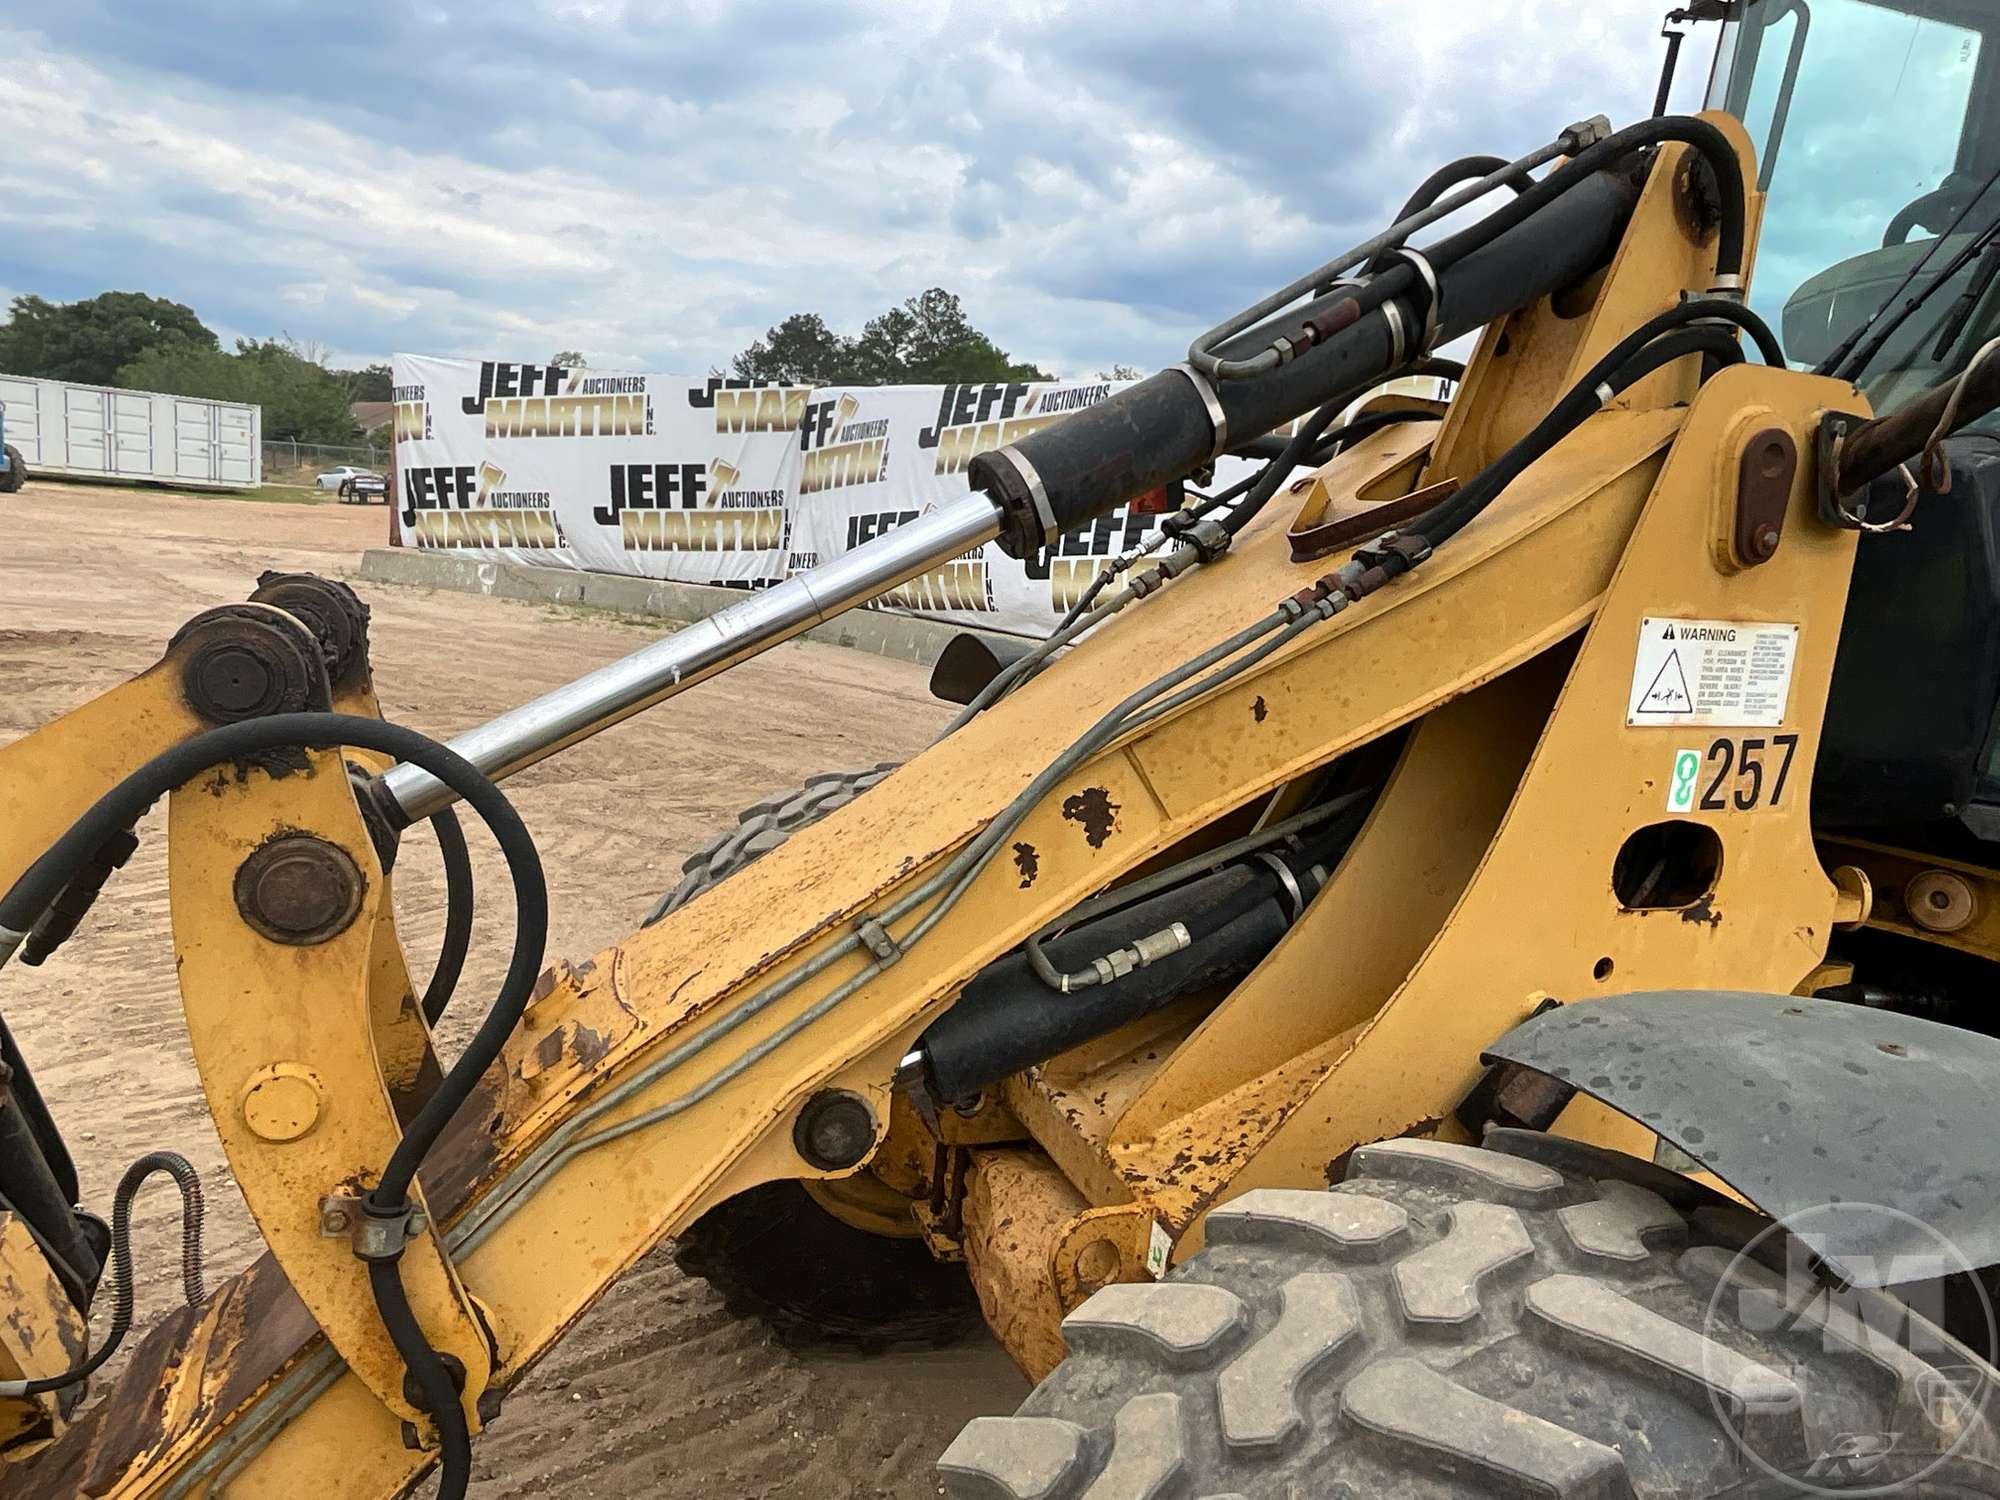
(1721, 672)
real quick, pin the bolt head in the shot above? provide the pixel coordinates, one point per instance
(234, 679)
(298, 889)
(835, 1129)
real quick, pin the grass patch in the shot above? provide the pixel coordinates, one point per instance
(269, 494)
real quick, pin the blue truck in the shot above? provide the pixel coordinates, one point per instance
(13, 473)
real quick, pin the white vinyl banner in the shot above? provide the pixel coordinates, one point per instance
(720, 482)
(656, 475)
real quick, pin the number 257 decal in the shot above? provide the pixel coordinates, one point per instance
(1738, 774)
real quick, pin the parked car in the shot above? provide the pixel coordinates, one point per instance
(360, 489)
(336, 478)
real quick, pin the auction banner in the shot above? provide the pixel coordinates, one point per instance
(722, 481)
(656, 475)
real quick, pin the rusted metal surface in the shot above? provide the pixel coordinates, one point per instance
(1526, 576)
(241, 661)
(1871, 449)
(283, 1039)
(298, 889)
(41, 1334)
(1763, 494)
(335, 615)
(1320, 538)
(1018, 1206)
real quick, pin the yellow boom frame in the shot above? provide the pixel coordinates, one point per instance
(634, 1095)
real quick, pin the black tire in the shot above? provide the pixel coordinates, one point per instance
(17, 471)
(1452, 1321)
(773, 1253)
(761, 828)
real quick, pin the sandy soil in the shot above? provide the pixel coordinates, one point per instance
(658, 1392)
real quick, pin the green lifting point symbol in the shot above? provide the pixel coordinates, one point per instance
(1680, 794)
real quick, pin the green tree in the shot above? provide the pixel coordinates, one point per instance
(926, 341)
(369, 383)
(569, 359)
(93, 339)
(802, 350)
(302, 399)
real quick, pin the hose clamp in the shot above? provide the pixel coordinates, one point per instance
(1218, 419)
(1727, 286)
(1038, 492)
(375, 1236)
(1287, 880)
(1399, 341)
(1423, 268)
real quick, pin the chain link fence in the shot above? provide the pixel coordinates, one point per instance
(287, 462)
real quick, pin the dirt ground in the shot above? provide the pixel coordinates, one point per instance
(658, 1392)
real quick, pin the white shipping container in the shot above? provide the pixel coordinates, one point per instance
(96, 431)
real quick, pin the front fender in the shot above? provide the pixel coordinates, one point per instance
(1798, 1104)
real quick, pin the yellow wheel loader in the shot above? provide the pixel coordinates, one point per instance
(1465, 967)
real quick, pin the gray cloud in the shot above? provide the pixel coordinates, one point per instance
(656, 184)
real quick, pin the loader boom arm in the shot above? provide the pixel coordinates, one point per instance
(688, 1063)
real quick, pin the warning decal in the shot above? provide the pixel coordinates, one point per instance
(1723, 672)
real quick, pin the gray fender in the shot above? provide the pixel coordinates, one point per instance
(1798, 1104)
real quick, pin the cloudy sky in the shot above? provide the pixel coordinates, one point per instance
(655, 184)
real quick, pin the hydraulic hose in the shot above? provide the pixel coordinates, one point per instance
(1618, 370)
(458, 908)
(122, 1297)
(121, 807)
(1686, 129)
(1314, 450)
(1163, 428)
(1451, 174)
(434, 1382)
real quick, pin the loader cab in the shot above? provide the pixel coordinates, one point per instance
(1877, 127)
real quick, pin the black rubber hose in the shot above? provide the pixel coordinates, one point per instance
(1344, 437)
(1305, 437)
(1272, 445)
(1160, 430)
(1617, 370)
(188, 1181)
(124, 803)
(458, 907)
(1687, 129)
(1451, 174)
(1315, 450)
(31, 1190)
(439, 1391)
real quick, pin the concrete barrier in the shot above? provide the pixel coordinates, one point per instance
(902, 637)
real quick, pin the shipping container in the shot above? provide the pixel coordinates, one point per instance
(98, 432)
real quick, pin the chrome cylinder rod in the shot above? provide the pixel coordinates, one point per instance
(760, 621)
